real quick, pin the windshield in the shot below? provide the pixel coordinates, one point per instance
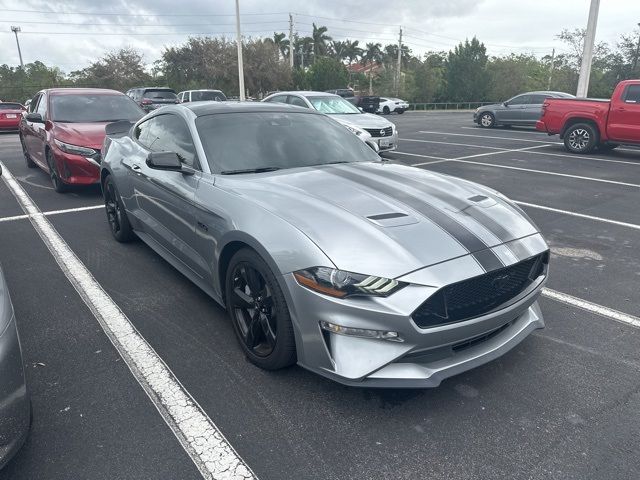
(208, 95)
(332, 105)
(11, 106)
(163, 94)
(259, 140)
(88, 108)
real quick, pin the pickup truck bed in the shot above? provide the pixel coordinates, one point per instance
(585, 124)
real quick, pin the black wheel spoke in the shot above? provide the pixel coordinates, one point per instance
(242, 299)
(253, 331)
(253, 279)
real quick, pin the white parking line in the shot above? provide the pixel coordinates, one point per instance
(52, 212)
(204, 443)
(544, 172)
(450, 143)
(530, 132)
(583, 157)
(592, 307)
(579, 215)
(525, 149)
(487, 136)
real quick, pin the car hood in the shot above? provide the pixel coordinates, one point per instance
(493, 106)
(382, 218)
(362, 120)
(82, 134)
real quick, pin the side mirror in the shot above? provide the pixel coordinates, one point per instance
(361, 109)
(34, 117)
(505, 104)
(168, 161)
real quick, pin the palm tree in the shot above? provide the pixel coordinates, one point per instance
(372, 55)
(303, 49)
(282, 43)
(320, 39)
(339, 49)
(353, 51)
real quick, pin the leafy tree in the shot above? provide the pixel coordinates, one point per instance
(327, 73)
(280, 40)
(18, 84)
(320, 40)
(466, 72)
(119, 70)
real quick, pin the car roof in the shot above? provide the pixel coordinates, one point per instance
(210, 108)
(205, 90)
(307, 93)
(547, 92)
(81, 91)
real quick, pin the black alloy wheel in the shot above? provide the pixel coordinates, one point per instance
(259, 313)
(386, 110)
(581, 138)
(58, 185)
(116, 215)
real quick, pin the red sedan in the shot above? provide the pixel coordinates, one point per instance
(10, 114)
(65, 128)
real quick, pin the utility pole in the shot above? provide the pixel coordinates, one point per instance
(587, 53)
(291, 41)
(399, 63)
(635, 59)
(16, 30)
(553, 57)
(239, 42)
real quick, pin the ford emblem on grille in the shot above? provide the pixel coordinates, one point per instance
(501, 282)
(382, 132)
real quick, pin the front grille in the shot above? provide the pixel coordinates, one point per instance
(380, 132)
(479, 295)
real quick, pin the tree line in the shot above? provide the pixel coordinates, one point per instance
(465, 74)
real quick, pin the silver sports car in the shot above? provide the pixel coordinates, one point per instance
(362, 270)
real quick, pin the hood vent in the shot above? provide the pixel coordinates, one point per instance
(392, 219)
(386, 216)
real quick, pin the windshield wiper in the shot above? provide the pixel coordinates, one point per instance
(249, 170)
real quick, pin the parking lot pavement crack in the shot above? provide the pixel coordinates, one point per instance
(210, 451)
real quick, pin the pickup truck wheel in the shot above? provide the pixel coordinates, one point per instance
(487, 120)
(580, 138)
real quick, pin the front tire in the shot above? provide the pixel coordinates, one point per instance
(399, 112)
(580, 138)
(487, 120)
(116, 213)
(27, 158)
(259, 312)
(58, 185)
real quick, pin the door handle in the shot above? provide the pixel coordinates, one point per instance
(135, 167)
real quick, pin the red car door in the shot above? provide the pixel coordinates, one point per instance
(624, 116)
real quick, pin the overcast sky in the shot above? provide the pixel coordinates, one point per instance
(72, 41)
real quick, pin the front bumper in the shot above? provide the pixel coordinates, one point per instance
(76, 169)
(424, 357)
(387, 144)
(15, 410)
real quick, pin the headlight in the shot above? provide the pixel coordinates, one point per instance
(355, 130)
(75, 149)
(340, 284)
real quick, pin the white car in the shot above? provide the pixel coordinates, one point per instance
(390, 105)
(369, 128)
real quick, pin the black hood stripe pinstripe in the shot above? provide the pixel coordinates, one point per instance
(488, 260)
(478, 215)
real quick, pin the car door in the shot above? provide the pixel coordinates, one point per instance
(164, 200)
(624, 116)
(511, 113)
(28, 133)
(532, 110)
(38, 139)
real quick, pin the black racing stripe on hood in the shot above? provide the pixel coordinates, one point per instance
(487, 260)
(480, 216)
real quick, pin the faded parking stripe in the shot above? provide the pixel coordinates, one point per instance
(202, 440)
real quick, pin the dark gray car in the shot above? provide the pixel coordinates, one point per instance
(14, 399)
(524, 109)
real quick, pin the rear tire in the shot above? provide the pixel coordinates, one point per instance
(400, 112)
(116, 213)
(58, 185)
(581, 138)
(27, 158)
(259, 312)
(487, 120)
(386, 110)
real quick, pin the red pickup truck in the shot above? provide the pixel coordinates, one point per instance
(586, 124)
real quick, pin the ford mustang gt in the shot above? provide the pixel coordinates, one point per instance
(362, 270)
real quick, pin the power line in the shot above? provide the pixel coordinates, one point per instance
(137, 33)
(138, 24)
(128, 14)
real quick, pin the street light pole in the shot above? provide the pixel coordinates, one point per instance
(587, 52)
(16, 30)
(239, 42)
(635, 59)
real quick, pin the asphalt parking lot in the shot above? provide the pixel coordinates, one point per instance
(564, 404)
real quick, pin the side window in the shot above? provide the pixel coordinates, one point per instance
(42, 106)
(34, 103)
(297, 101)
(187, 96)
(278, 99)
(169, 133)
(519, 100)
(536, 99)
(141, 133)
(632, 94)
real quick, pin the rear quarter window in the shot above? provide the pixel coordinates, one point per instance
(632, 94)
